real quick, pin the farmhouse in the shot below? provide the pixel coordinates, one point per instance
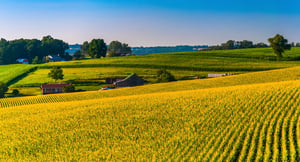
(22, 61)
(130, 81)
(53, 88)
(55, 58)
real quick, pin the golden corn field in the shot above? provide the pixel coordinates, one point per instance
(170, 121)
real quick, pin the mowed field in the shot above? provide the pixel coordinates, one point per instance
(243, 117)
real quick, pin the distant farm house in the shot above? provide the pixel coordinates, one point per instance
(22, 61)
(130, 81)
(112, 80)
(219, 75)
(53, 88)
(55, 58)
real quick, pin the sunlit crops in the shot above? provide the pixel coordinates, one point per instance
(242, 79)
(248, 122)
(247, 117)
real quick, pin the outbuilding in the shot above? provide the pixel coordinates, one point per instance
(22, 61)
(53, 88)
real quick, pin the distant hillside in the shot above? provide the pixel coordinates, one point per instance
(166, 49)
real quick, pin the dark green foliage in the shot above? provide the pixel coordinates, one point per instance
(164, 76)
(15, 92)
(3, 89)
(116, 48)
(97, 48)
(56, 73)
(279, 45)
(232, 44)
(30, 48)
(69, 88)
(84, 48)
(78, 55)
(111, 54)
(35, 60)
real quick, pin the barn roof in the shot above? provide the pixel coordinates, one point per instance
(54, 85)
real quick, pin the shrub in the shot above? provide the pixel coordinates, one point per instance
(69, 88)
(164, 76)
(15, 92)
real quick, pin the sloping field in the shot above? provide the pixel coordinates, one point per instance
(246, 123)
(10, 72)
(242, 60)
(242, 79)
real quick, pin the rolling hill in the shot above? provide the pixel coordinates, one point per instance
(253, 116)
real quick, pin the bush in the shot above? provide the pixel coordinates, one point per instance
(15, 92)
(69, 88)
(164, 76)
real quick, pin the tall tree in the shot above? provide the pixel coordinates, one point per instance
(228, 45)
(56, 73)
(54, 46)
(279, 44)
(118, 48)
(97, 48)
(84, 48)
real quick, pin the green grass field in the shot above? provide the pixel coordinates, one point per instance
(90, 74)
(223, 60)
(10, 72)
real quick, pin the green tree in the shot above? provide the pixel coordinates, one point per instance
(97, 48)
(279, 45)
(35, 60)
(77, 55)
(119, 48)
(3, 89)
(164, 76)
(84, 48)
(56, 73)
(116, 47)
(228, 45)
(53, 46)
(15, 92)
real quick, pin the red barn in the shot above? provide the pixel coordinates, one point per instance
(53, 88)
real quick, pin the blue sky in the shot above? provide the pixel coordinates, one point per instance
(151, 22)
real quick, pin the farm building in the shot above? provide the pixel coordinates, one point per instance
(53, 88)
(130, 81)
(112, 80)
(55, 58)
(22, 61)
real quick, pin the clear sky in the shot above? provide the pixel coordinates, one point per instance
(151, 22)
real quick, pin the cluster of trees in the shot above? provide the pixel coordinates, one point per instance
(232, 44)
(32, 49)
(97, 48)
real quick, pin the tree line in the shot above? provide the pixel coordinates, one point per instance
(232, 44)
(31, 49)
(97, 48)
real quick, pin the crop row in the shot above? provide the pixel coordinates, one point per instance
(241, 123)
